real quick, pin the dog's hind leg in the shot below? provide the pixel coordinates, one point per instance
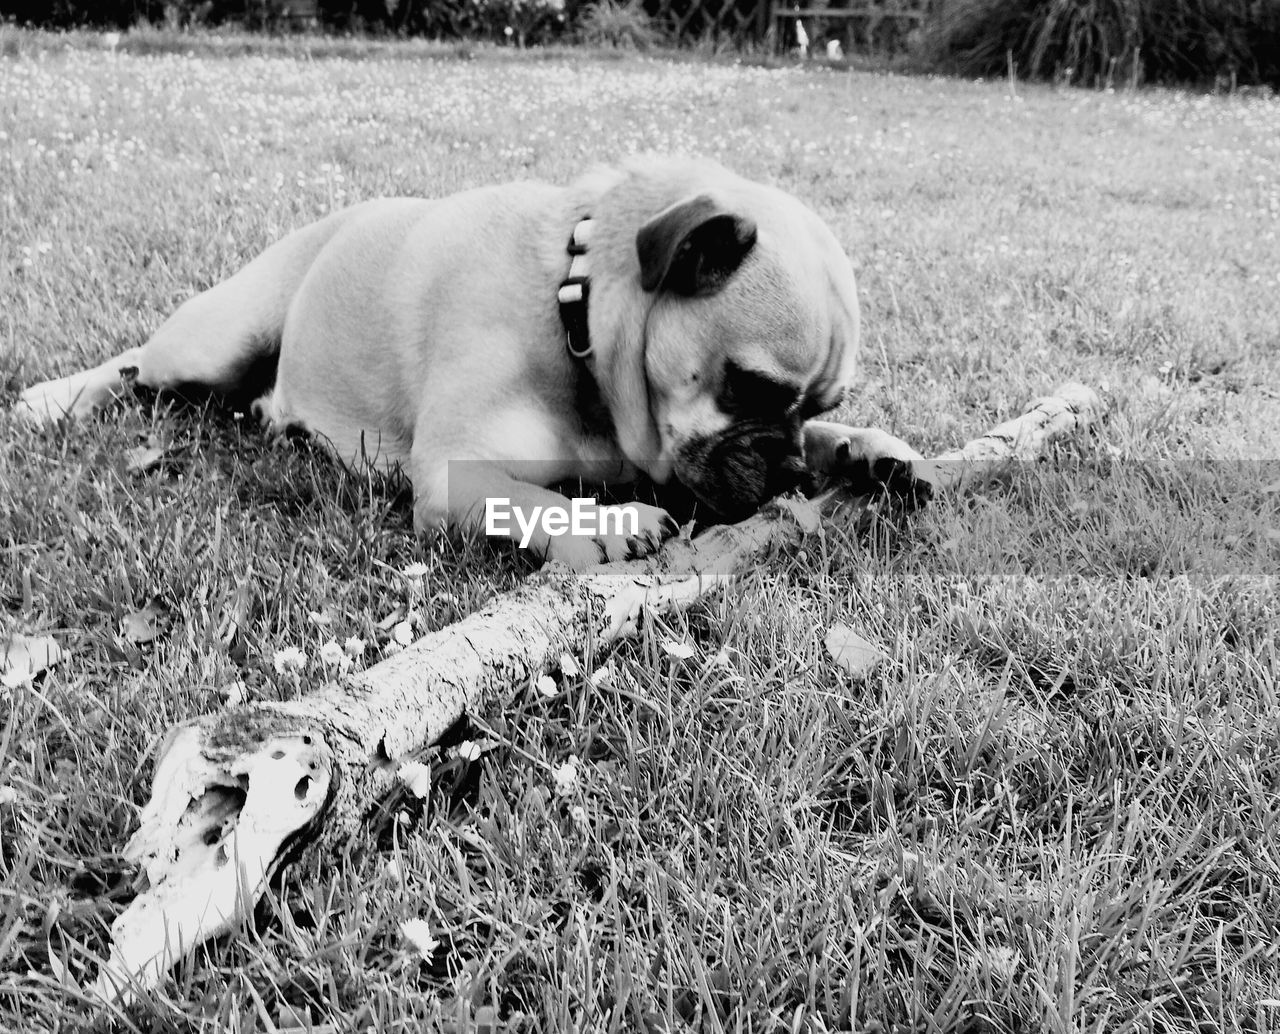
(213, 342)
(80, 393)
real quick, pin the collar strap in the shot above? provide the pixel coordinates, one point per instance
(575, 289)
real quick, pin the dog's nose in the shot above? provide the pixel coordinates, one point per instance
(784, 471)
(775, 456)
(736, 472)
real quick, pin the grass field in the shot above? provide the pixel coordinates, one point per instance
(1054, 809)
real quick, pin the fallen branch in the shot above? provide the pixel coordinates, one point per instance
(236, 794)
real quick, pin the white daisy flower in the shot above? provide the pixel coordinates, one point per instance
(418, 933)
(416, 777)
(565, 777)
(604, 676)
(680, 651)
(290, 659)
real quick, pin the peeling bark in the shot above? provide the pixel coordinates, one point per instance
(238, 792)
(1022, 439)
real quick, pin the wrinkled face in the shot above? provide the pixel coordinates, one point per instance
(745, 447)
(738, 363)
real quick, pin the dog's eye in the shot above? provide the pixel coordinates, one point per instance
(749, 392)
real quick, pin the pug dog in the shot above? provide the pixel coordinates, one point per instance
(665, 318)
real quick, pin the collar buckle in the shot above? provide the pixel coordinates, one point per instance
(575, 290)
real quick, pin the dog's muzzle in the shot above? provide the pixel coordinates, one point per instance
(734, 472)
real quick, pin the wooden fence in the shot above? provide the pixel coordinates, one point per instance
(861, 24)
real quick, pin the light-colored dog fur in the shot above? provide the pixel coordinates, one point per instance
(419, 333)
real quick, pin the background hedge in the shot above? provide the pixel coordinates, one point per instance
(1089, 42)
(1107, 41)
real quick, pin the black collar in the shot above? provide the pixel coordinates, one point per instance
(575, 290)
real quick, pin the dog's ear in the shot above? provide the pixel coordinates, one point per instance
(693, 247)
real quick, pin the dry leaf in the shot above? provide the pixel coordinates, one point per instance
(482, 1019)
(144, 458)
(298, 1018)
(392, 619)
(148, 457)
(804, 512)
(22, 658)
(146, 625)
(234, 614)
(856, 655)
(292, 1017)
(486, 1020)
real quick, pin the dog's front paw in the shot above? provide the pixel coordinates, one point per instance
(620, 533)
(868, 460)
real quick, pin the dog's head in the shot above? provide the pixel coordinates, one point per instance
(750, 327)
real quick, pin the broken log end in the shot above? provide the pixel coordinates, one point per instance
(223, 811)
